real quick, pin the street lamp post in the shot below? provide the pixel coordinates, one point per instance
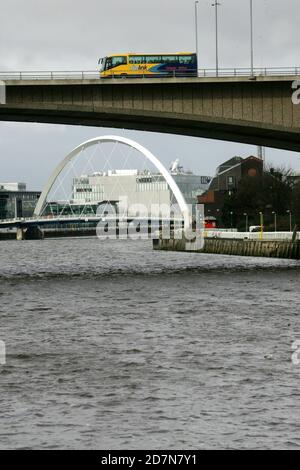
(231, 220)
(290, 213)
(216, 4)
(261, 225)
(247, 224)
(275, 221)
(196, 30)
(251, 38)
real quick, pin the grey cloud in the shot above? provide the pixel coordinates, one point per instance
(75, 33)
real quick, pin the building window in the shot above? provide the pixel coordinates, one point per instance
(230, 182)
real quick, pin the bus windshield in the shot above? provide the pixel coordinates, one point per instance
(101, 63)
(111, 62)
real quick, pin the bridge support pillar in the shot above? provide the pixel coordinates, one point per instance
(20, 234)
(30, 233)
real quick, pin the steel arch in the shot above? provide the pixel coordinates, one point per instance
(131, 143)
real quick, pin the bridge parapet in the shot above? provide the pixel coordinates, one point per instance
(202, 73)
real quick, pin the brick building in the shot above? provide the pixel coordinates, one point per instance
(226, 180)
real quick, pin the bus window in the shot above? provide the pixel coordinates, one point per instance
(136, 59)
(169, 58)
(115, 61)
(185, 59)
(153, 59)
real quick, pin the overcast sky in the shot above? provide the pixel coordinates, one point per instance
(72, 35)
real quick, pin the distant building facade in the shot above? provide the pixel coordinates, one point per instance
(226, 180)
(139, 187)
(230, 173)
(16, 201)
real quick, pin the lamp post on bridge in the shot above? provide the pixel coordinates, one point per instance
(216, 4)
(196, 30)
(251, 38)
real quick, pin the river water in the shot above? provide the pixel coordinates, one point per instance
(112, 345)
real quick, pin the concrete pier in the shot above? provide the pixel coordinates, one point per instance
(29, 233)
(20, 234)
(223, 246)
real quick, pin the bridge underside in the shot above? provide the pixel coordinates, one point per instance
(258, 112)
(189, 125)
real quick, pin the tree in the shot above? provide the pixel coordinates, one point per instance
(269, 193)
(296, 203)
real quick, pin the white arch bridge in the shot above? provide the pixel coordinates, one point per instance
(39, 219)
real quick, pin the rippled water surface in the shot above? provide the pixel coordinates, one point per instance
(111, 345)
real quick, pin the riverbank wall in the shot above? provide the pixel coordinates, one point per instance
(238, 247)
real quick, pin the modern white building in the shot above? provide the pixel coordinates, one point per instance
(137, 187)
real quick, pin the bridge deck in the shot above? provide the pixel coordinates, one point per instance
(143, 80)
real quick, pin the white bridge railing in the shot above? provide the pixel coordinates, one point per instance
(251, 235)
(246, 72)
(48, 218)
(82, 218)
(50, 75)
(94, 74)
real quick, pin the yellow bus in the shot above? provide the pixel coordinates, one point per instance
(132, 65)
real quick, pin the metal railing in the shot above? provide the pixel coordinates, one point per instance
(246, 72)
(202, 73)
(50, 75)
(50, 218)
(251, 235)
(79, 218)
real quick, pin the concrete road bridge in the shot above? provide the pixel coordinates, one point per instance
(235, 106)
